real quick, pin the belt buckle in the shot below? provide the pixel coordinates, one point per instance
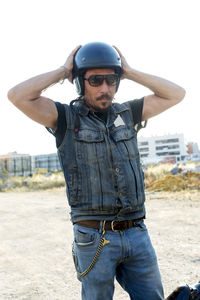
(112, 226)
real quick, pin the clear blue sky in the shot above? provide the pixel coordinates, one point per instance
(156, 36)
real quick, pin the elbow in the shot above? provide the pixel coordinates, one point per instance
(181, 94)
(12, 96)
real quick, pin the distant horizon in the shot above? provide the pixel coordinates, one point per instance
(141, 136)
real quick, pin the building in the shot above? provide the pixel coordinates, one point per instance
(192, 148)
(17, 164)
(50, 162)
(162, 148)
(193, 151)
(26, 165)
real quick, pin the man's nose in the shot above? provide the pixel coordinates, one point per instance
(104, 86)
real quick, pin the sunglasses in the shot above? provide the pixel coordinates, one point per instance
(97, 80)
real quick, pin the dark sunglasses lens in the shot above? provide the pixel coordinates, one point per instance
(96, 80)
(111, 79)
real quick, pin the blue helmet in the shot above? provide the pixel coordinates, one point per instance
(94, 55)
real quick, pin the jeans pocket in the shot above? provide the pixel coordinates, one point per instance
(86, 241)
(83, 237)
(75, 259)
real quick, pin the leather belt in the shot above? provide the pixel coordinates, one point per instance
(110, 225)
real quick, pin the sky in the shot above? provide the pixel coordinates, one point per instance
(159, 37)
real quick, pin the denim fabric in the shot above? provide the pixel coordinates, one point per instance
(101, 165)
(129, 257)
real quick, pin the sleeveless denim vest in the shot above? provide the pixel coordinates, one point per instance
(101, 165)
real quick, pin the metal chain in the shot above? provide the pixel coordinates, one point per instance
(102, 243)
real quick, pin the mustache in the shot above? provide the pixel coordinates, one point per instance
(104, 96)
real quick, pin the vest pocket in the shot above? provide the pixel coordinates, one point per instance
(122, 134)
(89, 146)
(126, 140)
(89, 136)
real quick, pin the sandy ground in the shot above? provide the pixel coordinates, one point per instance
(36, 238)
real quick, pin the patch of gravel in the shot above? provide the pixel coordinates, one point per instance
(36, 238)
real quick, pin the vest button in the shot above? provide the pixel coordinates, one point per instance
(117, 170)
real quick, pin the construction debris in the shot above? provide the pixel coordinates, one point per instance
(182, 181)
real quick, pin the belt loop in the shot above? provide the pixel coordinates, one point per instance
(101, 226)
(130, 223)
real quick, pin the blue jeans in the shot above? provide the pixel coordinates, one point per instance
(129, 257)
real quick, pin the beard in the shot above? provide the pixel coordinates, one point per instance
(100, 109)
(105, 105)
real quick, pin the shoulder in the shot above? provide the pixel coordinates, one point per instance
(132, 104)
(136, 104)
(61, 107)
(136, 107)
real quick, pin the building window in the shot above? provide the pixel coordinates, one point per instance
(168, 153)
(143, 144)
(166, 147)
(167, 141)
(162, 153)
(174, 153)
(143, 149)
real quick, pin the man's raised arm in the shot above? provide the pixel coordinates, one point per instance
(26, 96)
(166, 93)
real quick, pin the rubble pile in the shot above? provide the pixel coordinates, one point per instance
(181, 181)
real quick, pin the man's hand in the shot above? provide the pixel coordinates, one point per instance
(69, 63)
(125, 66)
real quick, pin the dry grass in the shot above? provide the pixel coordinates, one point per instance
(155, 172)
(157, 178)
(187, 181)
(35, 183)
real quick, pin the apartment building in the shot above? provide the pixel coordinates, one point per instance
(162, 148)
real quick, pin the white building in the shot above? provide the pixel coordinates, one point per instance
(162, 148)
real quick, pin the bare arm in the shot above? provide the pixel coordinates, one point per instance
(27, 95)
(166, 93)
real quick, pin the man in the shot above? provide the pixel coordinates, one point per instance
(97, 147)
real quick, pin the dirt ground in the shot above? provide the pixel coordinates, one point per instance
(36, 238)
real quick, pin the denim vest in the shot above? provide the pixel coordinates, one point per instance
(101, 165)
